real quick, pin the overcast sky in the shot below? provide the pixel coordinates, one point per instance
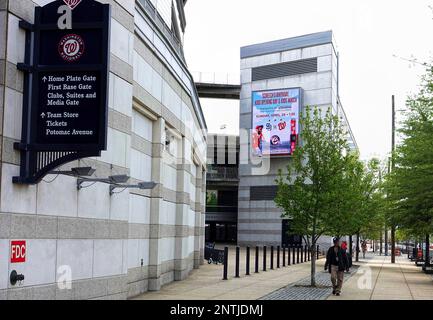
(368, 33)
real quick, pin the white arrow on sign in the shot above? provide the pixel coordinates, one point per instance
(42, 115)
(44, 79)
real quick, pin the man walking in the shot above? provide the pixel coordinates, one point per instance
(337, 262)
(364, 248)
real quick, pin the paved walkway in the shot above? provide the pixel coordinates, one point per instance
(206, 283)
(378, 279)
(375, 279)
(301, 290)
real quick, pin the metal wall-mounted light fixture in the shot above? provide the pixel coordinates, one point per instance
(76, 172)
(115, 179)
(141, 185)
(121, 178)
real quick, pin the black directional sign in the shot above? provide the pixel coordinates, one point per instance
(70, 100)
(68, 110)
(66, 84)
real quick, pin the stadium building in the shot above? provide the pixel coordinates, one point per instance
(278, 79)
(94, 241)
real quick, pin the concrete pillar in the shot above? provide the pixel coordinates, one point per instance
(180, 264)
(198, 217)
(203, 215)
(158, 145)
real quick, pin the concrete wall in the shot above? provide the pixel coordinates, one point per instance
(259, 222)
(121, 245)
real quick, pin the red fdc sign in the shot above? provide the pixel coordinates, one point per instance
(18, 251)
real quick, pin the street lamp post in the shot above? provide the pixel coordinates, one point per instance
(392, 166)
(386, 229)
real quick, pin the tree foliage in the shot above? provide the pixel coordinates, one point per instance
(307, 192)
(410, 184)
(327, 190)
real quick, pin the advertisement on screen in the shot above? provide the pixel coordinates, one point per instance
(275, 124)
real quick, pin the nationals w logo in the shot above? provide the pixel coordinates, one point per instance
(71, 47)
(72, 3)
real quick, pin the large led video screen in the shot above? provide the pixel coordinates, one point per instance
(275, 124)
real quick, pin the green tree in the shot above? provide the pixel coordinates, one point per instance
(367, 213)
(315, 179)
(373, 227)
(410, 184)
(403, 234)
(347, 196)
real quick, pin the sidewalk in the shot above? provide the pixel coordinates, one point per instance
(206, 283)
(302, 290)
(378, 279)
(375, 279)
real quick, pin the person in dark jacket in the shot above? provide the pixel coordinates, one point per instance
(336, 262)
(364, 248)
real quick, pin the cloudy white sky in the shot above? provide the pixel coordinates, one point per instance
(368, 33)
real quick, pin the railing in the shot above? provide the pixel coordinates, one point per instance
(216, 77)
(283, 256)
(151, 11)
(222, 173)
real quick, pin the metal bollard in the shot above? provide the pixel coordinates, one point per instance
(284, 255)
(297, 254)
(302, 254)
(272, 257)
(305, 253)
(237, 263)
(278, 256)
(247, 264)
(264, 258)
(293, 255)
(226, 258)
(256, 267)
(288, 255)
(317, 251)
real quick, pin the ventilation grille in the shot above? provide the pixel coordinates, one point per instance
(284, 69)
(263, 193)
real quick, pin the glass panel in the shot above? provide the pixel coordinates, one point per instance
(232, 232)
(220, 232)
(211, 197)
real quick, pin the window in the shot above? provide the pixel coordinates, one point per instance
(211, 197)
